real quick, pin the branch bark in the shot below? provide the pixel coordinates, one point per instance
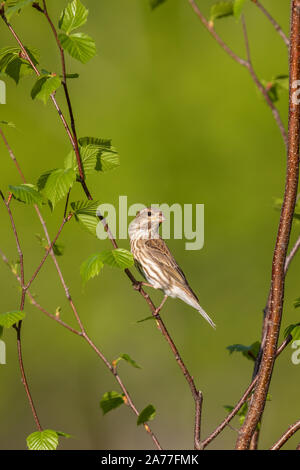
(286, 436)
(274, 313)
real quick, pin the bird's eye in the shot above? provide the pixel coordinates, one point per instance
(149, 214)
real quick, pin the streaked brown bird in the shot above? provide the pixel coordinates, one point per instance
(155, 261)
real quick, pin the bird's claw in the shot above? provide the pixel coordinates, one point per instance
(137, 285)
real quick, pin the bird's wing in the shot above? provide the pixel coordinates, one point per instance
(162, 255)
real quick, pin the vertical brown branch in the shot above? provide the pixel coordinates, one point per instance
(280, 252)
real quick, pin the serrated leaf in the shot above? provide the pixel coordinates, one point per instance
(55, 184)
(107, 156)
(89, 158)
(119, 258)
(79, 45)
(85, 213)
(110, 401)
(128, 359)
(103, 143)
(293, 330)
(108, 160)
(220, 10)
(14, 65)
(9, 319)
(45, 86)
(27, 193)
(238, 8)
(91, 267)
(13, 7)
(156, 3)
(73, 16)
(43, 440)
(250, 352)
(147, 414)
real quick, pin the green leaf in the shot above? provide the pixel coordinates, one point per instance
(55, 184)
(128, 359)
(241, 413)
(275, 86)
(119, 258)
(45, 86)
(107, 156)
(147, 414)
(102, 143)
(14, 65)
(293, 330)
(156, 3)
(71, 75)
(9, 319)
(108, 160)
(79, 45)
(13, 7)
(43, 440)
(146, 319)
(64, 434)
(89, 159)
(91, 267)
(110, 401)
(26, 193)
(250, 352)
(8, 124)
(86, 213)
(73, 16)
(220, 10)
(238, 8)
(1, 331)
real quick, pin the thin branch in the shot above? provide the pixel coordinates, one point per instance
(274, 314)
(146, 296)
(245, 63)
(82, 331)
(24, 379)
(65, 86)
(18, 326)
(286, 436)
(242, 400)
(57, 107)
(65, 220)
(273, 22)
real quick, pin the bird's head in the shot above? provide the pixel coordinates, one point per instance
(146, 223)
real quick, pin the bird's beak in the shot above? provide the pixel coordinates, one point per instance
(161, 217)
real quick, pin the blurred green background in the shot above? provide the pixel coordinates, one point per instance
(190, 127)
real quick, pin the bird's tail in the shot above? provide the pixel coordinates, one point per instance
(204, 315)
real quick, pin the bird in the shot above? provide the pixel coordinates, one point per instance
(155, 261)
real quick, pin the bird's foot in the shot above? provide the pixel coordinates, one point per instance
(137, 285)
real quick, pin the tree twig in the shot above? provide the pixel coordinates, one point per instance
(242, 400)
(286, 436)
(280, 252)
(244, 63)
(273, 22)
